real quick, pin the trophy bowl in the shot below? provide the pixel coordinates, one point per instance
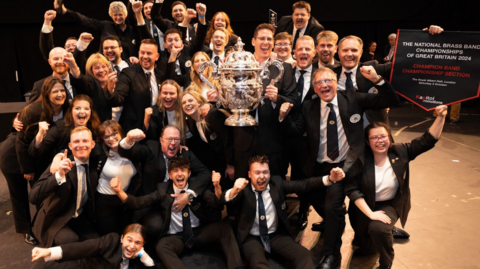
(241, 88)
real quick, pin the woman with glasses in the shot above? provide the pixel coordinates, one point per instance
(380, 195)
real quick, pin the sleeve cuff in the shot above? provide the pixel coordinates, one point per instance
(381, 82)
(47, 29)
(159, 1)
(56, 253)
(325, 181)
(192, 193)
(227, 196)
(60, 180)
(81, 45)
(124, 144)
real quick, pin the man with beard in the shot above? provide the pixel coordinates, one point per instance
(181, 15)
(300, 23)
(155, 32)
(326, 49)
(60, 70)
(127, 34)
(46, 36)
(267, 138)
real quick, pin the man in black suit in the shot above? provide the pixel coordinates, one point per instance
(186, 226)
(180, 14)
(334, 127)
(67, 212)
(350, 52)
(326, 49)
(60, 70)
(219, 40)
(262, 224)
(300, 23)
(46, 36)
(267, 137)
(154, 156)
(154, 31)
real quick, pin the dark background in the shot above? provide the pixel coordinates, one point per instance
(21, 22)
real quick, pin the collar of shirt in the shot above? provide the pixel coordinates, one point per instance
(123, 64)
(79, 163)
(221, 56)
(177, 190)
(66, 78)
(308, 70)
(151, 71)
(353, 70)
(320, 64)
(267, 189)
(302, 31)
(334, 102)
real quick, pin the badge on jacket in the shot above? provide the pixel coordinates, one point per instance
(188, 63)
(355, 118)
(373, 90)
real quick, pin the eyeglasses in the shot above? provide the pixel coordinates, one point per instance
(326, 81)
(377, 138)
(110, 48)
(107, 137)
(171, 139)
(284, 45)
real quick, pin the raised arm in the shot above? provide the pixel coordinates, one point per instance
(46, 35)
(437, 126)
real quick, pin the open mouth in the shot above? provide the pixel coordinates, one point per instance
(303, 58)
(167, 103)
(380, 145)
(325, 91)
(218, 43)
(189, 108)
(261, 184)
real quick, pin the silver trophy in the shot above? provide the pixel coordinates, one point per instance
(241, 88)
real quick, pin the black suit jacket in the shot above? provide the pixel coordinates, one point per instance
(285, 24)
(58, 202)
(133, 92)
(311, 90)
(366, 86)
(350, 102)
(154, 169)
(46, 44)
(270, 133)
(399, 156)
(36, 92)
(246, 202)
(165, 24)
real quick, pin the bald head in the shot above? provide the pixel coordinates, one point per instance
(55, 59)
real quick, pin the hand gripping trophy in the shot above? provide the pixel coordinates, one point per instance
(241, 88)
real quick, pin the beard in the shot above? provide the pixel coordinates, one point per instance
(60, 68)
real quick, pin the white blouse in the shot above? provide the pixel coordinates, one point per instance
(115, 166)
(386, 183)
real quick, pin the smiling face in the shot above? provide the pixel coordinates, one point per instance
(263, 44)
(349, 53)
(178, 13)
(373, 47)
(379, 141)
(148, 55)
(326, 49)
(168, 95)
(283, 49)
(300, 17)
(170, 141)
(173, 39)
(70, 45)
(111, 138)
(100, 72)
(326, 91)
(57, 95)
(190, 105)
(198, 61)
(219, 41)
(219, 21)
(131, 243)
(118, 17)
(259, 175)
(81, 144)
(112, 51)
(81, 112)
(179, 176)
(304, 53)
(55, 60)
(147, 8)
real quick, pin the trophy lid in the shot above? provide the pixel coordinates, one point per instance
(240, 59)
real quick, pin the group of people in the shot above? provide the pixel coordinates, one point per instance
(127, 156)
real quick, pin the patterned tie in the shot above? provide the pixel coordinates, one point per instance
(332, 134)
(187, 226)
(83, 191)
(349, 82)
(263, 223)
(300, 85)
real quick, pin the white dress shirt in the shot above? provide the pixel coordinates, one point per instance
(115, 166)
(153, 84)
(82, 195)
(176, 222)
(306, 79)
(343, 78)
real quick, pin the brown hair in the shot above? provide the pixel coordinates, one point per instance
(258, 159)
(71, 38)
(92, 123)
(262, 26)
(378, 124)
(179, 3)
(172, 31)
(283, 35)
(79, 129)
(211, 27)
(136, 228)
(101, 132)
(302, 4)
(112, 37)
(178, 162)
(360, 41)
(328, 35)
(149, 41)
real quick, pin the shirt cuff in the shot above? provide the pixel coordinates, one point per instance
(81, 45)
(227, 196)
(159, 1)
(146, 259)
(325, 181)
(192, 192)
(60, 180)
(381, 82)
(124, 145)
(141, 24)
(47, 29)
(56, 253)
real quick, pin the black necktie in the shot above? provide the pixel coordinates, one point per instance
(332, 134)
(87, 195)
(155, 34)
(262, 216)
(117, 68)
(300, 85)
(69, 96)
(149, 76)
(349, 82)
(215, 60)
(297, 35)
(187, 226)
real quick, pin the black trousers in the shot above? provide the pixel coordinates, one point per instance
(77, 229)
(18, 188)
(380, 238)
(152, 219)
(171, 246)
(328, 203)
(111, 215)
(282, 245)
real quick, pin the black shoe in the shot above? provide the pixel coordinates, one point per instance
(318, 227)
(399, 233)
(453, 122)
(330, 262)
(302, 221)
(30, 239)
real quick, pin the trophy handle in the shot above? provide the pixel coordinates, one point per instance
(265, 74)
(214, 73)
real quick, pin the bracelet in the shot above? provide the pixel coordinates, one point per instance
(201, 16)
(378, 81)
(333, 182)
(140, 254)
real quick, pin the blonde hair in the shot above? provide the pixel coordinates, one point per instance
(81, 129)
(93, 60)
(199, 98)
(196, 84)
(179, 117)
(116, 6)
(328, 35)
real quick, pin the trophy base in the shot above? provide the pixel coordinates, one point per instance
(240, 118)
